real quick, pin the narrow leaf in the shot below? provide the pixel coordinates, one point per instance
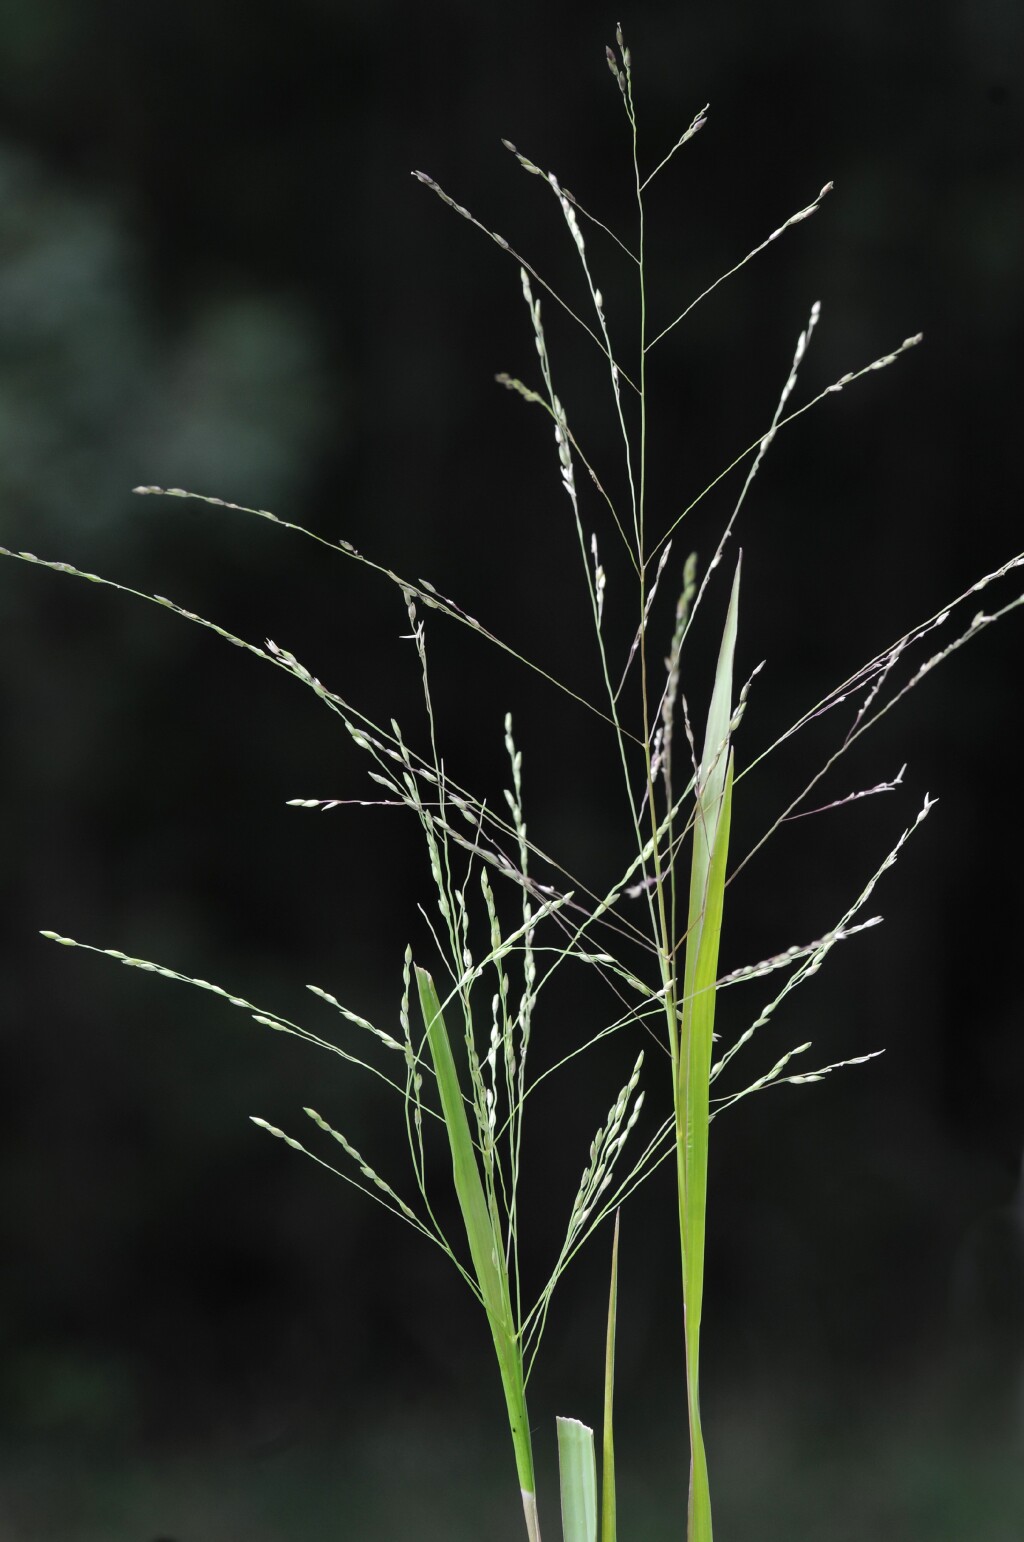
(697, 1017)
(486, 1248)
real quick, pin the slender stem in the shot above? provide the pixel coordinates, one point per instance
(685, 1074)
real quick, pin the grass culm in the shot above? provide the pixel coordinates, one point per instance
(502, 919)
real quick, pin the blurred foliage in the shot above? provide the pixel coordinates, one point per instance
(96, 389)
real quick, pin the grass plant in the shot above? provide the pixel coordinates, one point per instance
(505, 918)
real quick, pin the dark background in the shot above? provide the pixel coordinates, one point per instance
(217, 273)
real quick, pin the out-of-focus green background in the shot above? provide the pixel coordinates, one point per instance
(216, 273)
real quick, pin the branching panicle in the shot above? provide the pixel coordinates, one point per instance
(650, 932)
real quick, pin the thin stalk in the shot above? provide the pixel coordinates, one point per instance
(608, 1493)
(687, 1029)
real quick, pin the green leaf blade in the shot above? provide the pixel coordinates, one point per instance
(712, 820)
(485, 1246)
(577, 1476)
